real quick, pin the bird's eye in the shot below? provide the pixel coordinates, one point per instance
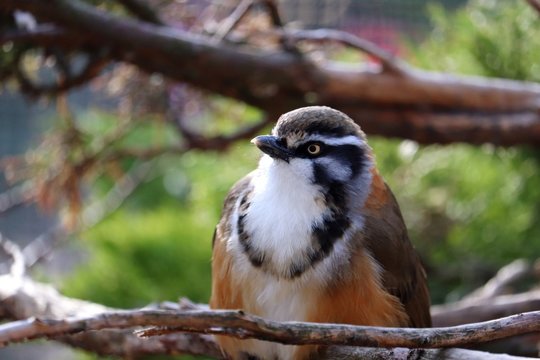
(314, 149)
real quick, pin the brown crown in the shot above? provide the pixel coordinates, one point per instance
(321, 120)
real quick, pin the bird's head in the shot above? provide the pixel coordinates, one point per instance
(322, 145)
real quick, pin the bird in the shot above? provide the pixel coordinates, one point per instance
(315, 234)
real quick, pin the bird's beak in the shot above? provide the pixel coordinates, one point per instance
(272, 146)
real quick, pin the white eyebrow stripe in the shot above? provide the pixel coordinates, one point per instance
(346, 140)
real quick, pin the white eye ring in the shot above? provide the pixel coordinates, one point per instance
(314, 149)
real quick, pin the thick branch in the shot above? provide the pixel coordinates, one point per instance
(426, 107)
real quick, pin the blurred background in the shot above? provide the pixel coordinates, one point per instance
(147, 223)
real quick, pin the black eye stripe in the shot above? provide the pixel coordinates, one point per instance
(341, 152)
(302, 150)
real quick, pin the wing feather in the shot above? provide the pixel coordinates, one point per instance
(403, 275)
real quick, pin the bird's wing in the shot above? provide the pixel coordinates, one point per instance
(403, 275)
(224, 293)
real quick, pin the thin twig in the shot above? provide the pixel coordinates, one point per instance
(273, 12)
(57, 235)
(243, 326)
(17, 268)
(219, 142)
(121, 190)
(233, 20)
(388, 61)
(16, 196)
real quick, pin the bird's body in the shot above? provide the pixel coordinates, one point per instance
(314, 234)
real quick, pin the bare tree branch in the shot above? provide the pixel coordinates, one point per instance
(24, 299)
(233, 20)
(423, 106)
(389, 61)
(417, 354)
(243, 326)
(219, 142)
(57, 235)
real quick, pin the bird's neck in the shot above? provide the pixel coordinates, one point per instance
(287, 225)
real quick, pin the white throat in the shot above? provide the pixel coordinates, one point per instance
(284, 206)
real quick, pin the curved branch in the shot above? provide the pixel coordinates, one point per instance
(23, 298)
(388, 60)
(423, 106)
(243, 326)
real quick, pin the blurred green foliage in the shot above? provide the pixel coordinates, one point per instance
(486, 38)
(158, 246)
(469, 209)
(476, 208)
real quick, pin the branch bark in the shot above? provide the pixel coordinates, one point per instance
(46, 313)
(423, 106)
(417, 354)
(245, 326)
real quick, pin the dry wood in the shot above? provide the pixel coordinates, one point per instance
(423, 106)
(243, 326)
(233, 20)
(26, 299)
(416, 354)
